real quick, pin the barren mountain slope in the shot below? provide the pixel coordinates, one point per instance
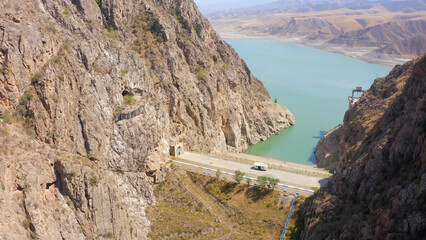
(365, 24)
(379, 188)
(116, 83)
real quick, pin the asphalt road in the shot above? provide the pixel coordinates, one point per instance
(288, 180)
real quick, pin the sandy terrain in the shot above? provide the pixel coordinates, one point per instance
(366, 54)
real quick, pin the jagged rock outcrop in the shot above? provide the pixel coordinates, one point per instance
(326, 153)
(379, 188)
(117, 82)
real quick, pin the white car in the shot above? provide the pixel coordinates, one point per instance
(260, 166)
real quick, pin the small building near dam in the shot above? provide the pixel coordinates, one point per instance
(176, 150)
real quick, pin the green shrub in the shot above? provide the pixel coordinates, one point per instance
(28, 121)
(99, 2)
(137, 45)
(53, 29)
(69, 202)
(26, 223)
(161, 38)
(36, 78)
(262, 181)
(123, 73)
(109, 235)
(199, 72)
(2, 69)
(95, 179)
(239, 176)
(129, 99)
(67, 11)
(3, 187)
(273, 182)
(112, 34)
(6, 117)
(218, 172)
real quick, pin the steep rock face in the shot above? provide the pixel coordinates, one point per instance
(189, 85)
(116, 83)
(379, 186)
(326, 153)
(51, 194)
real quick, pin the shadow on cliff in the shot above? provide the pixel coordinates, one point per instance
(312, 157)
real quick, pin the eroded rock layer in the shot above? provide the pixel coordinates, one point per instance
(379, 188)
(117, 83)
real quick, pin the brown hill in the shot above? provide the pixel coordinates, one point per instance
(414, 46)
(361, 24)
(385, 34)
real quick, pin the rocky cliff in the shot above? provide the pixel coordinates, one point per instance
(326, 153)
(379, 188)
(104, 88)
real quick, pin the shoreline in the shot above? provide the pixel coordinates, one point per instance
(366, 54)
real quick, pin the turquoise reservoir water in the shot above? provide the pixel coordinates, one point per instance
(312, 84)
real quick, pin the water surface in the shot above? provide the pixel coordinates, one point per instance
(312, 84)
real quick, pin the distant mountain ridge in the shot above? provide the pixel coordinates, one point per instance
(383, 25)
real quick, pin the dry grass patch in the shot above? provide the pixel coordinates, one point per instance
(194, 206)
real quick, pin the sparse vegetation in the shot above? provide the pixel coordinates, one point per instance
(6, 117)
(82, 228)
(263, 181)
(129, 99)
(180, 18)
(95, 179)
(2, 70)
(53, 29)
(29, 122)
(118, 111)
(99, 2)
(239, 176)
(123, 73)
(69, 202)
(218, 173)
(109, 235)
(3, 187)
(112, 33)
(5, 131)
(199, 72)
(273, 182)
(197, 206)
(67, 11)
(137, 45)
(26, 223)
(36, 78)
